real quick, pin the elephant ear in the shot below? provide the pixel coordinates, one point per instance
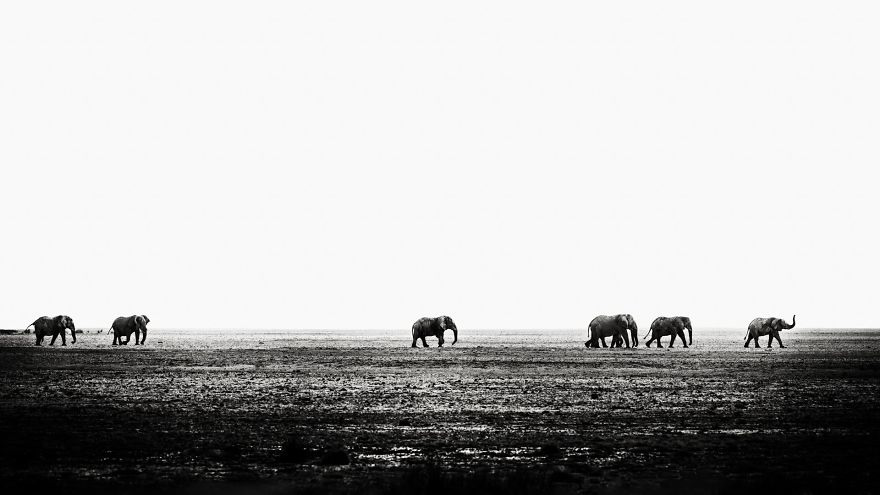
(443, 323)
(146, 320)
(623, 320)
(58, 320)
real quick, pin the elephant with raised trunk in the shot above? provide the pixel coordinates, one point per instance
(674, 326)
(45, 326)
(427, 327)
(767, 326)
(615, 327)
(124, 326)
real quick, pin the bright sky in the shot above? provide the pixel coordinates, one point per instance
(513, 165)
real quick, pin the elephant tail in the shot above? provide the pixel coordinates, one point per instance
(31, 325)
(646, 335)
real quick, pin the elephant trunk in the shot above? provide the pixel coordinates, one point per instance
(454, 335)
(635, 336)
(690, 335)
(792, 322)
(73, 332)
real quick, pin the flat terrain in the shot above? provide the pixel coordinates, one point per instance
(500, 412)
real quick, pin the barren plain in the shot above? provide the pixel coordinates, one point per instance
(499, 412)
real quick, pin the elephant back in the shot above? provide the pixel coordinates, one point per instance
(757, 323)
(422, 327)
(43, 324)
(658, 322)
(124, 325)
(604, 326)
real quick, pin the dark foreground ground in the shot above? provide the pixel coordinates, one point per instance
(498, 413)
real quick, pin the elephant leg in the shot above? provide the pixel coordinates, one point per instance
(684, 341)
(63, 339)
(748, 340)
(776, 334)
(756, 343)
(424, 342)
(54, 336)
(671, 339)
(137, 337)
(414, 341)
(603, 342)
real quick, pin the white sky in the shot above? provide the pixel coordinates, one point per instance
(361, 164)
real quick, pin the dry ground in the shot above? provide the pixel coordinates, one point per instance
(501, 412)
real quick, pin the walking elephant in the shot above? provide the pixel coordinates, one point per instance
(767, 326)
(615, 327)
(124, 326)
(45, 326)
(427, 327)
(674, 326)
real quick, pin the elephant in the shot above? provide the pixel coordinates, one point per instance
(124, 326)
(674, 326)
(426, 327)
(44, 326)
(612, 326)
(767, 326)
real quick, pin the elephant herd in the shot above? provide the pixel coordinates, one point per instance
(620, 328)
(123, 326)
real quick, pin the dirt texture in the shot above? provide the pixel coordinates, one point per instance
(500, 412)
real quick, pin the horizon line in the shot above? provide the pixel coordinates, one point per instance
(307, 329)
